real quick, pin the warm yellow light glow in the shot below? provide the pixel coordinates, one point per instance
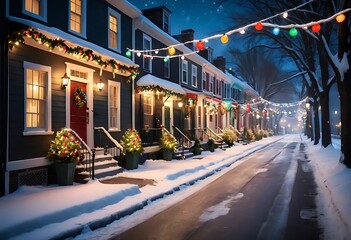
(171, 51)
(340, 18)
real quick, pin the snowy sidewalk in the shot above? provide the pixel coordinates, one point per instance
(36, 212)
(63, 212)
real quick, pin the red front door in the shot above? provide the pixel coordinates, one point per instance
(78, 112)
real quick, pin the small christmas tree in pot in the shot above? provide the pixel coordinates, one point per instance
(132, 147)
(168, 145)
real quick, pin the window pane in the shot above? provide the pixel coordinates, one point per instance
(36, 88)
(76, 15)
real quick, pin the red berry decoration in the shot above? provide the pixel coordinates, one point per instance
(200, 45)
(316, 28)
(259, 26)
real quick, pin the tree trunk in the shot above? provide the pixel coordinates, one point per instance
(344, 87)
(317, 129)
(324, 101)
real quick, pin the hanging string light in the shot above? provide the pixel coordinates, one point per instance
(292, 28)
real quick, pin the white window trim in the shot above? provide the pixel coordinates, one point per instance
(163, 21)
(84, 19)
(186, 70)
(48, 130)
(118, 85)
(152, 103)
(168, 73)
(194, 74)
(42, 11)
(148, 38)
(118, 16)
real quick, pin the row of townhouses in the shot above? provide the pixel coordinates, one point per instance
(69, 64)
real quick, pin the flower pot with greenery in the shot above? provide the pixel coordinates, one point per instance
(65, 153)
(132, 148)
(211, 145)
(168, 145)
(229, 137)
(196, 149)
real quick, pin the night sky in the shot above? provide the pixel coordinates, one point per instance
(205, 17)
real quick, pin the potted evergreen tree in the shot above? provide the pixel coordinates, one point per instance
(132, 148)
(211, 145)
(168, 145)
(65, 153)
(196, 149)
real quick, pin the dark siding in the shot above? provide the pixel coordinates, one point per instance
(23, 147)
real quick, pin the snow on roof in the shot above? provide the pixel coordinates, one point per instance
(242, 85)
(74, 40)
(149, 80)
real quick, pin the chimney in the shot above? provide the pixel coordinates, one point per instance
(160, 16)
(185, 36)
(207, 53)
(220, 63)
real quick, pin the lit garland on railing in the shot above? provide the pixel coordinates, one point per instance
(170, 51)
(157, 88)
(15, 39)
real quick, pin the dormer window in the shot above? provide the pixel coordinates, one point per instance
(77, 17)
(166, 22)
(35, 8)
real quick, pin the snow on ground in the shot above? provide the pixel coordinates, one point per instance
(41, 212)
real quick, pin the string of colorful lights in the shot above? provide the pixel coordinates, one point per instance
(170, 51)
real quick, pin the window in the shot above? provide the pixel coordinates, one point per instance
(148, 104)
(211, 84)
(35, 8)
(147, 46)
(166, 22)
(37, 115)
(215, 86)
(203, 81)
(77, 16)
(207, 82)
(194, 76)
(114, 30)
(184, 71)
(167, 67)
(199, 117)
(114, 105)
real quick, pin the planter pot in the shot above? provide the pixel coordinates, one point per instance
(197, 151)
(132, 161)
(167, 155)
(212, 149)
(65, 173)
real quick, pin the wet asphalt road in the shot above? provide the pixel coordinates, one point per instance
(271, 195)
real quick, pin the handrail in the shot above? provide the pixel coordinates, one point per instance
(114, 141)
(90, 152)
(80, 140)
(215, 134)
(183, 135)
(165, 130)
(204, 132)
(221, 130)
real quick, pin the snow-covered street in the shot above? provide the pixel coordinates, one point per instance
(53, 211)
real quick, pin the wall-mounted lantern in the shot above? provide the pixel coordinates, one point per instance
(100, 85)
(65, 80)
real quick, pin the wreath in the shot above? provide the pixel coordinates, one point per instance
(79, 97)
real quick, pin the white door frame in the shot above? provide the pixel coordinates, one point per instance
(90, 84)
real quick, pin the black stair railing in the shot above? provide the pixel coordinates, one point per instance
(108, 143)
(88, 154)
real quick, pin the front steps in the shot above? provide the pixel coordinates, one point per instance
(105, 166)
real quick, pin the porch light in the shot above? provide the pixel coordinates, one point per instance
(100, 85)
(65, 80)
(180, 104)
(308, 105)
